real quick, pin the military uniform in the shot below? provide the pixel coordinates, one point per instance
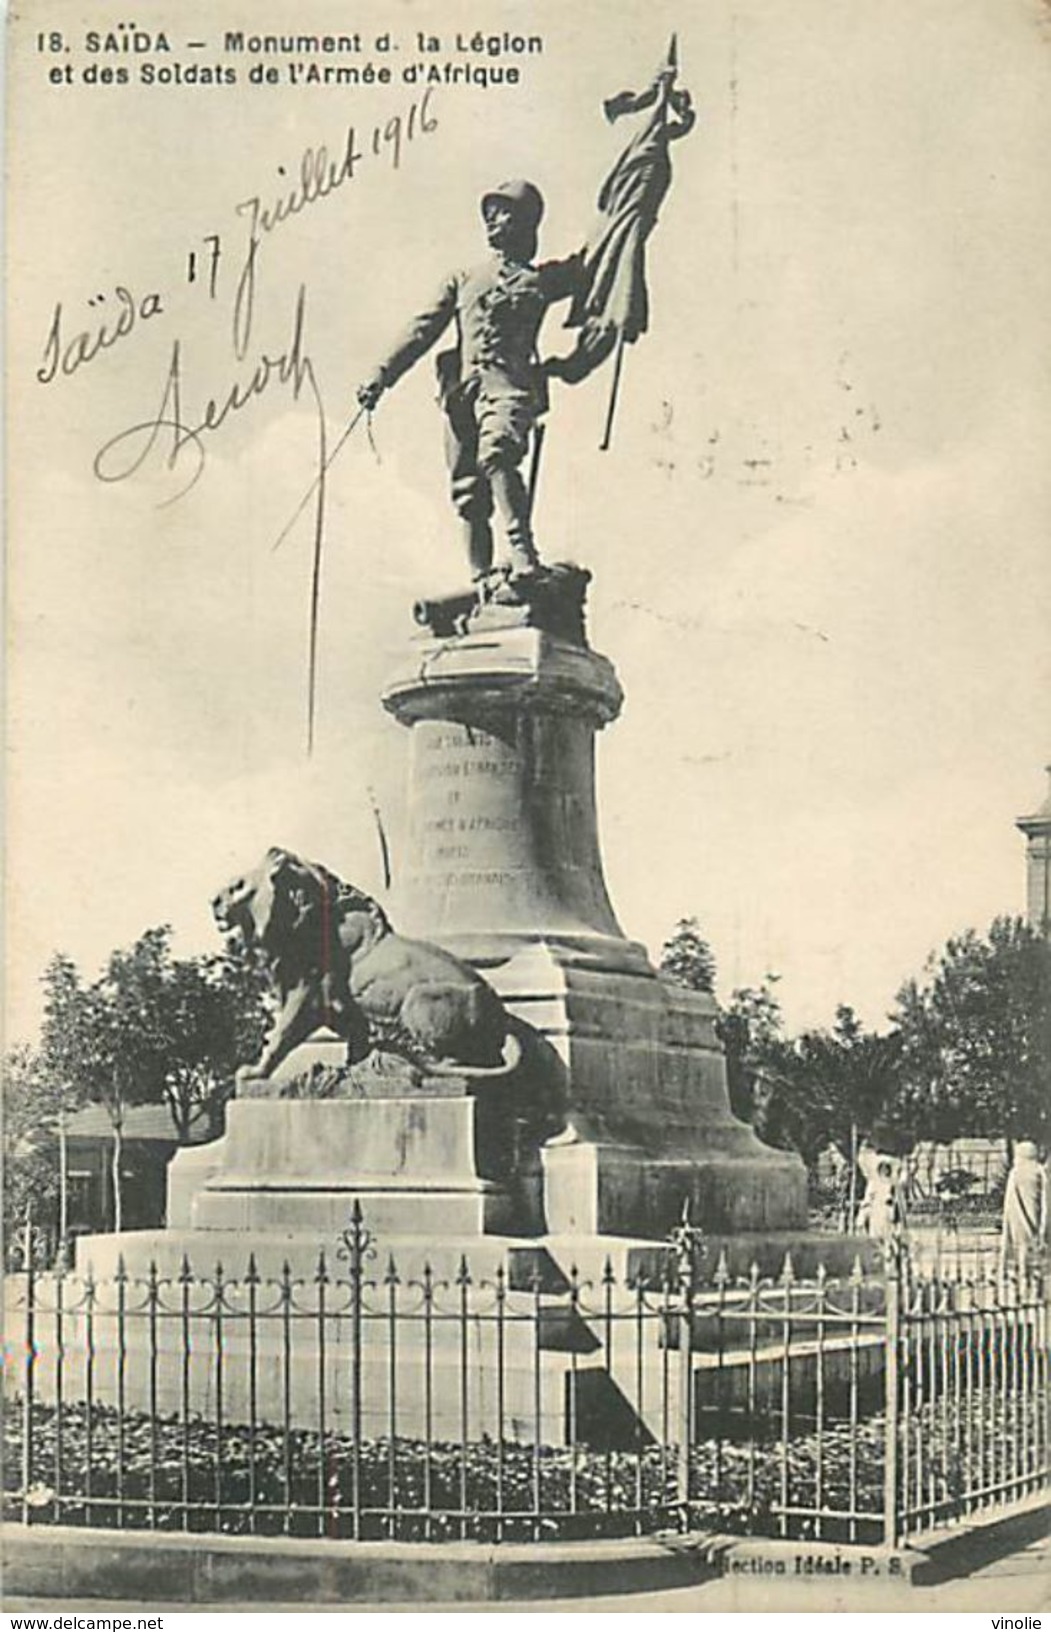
(491, 387)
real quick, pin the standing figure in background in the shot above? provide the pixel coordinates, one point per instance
(881, 1214)
(491, 385)
(1024, 1232)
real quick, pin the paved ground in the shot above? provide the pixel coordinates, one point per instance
(1017, 1584)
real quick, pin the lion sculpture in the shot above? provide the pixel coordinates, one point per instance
(334, 960)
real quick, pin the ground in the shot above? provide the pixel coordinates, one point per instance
(1015, 1583)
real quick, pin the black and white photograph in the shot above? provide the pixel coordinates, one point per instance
(527, 909)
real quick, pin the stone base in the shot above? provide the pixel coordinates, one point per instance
(299, 1165)
(634, 1059)
(575, 1355)
(592, 1188)
(650, 1126)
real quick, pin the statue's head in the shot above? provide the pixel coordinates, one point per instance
(512, 214)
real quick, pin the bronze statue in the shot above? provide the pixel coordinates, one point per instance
(334, 960)
(491, 384)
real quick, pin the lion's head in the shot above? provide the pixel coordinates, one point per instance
(269, 905)
(234, 907)
(288, 908)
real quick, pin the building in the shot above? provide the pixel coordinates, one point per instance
(149, 1144)
(1037, 829)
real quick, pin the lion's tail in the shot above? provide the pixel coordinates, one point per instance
(512, 1052)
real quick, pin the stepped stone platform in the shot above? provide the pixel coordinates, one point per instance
(505, 869)
(502, 706)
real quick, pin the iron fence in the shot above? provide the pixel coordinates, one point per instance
(967, 1393)
(357, 1397)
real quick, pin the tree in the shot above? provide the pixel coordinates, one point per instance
(213, 1012)
(102, 1040)
(151, 1030)
(751, 1031)
(687, 959)
(32, 1102)
(833, 1087)
(976, 1037)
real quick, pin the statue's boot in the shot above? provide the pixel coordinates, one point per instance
(478, 537)
(512, 502)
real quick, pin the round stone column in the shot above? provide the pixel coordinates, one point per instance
(503, 834)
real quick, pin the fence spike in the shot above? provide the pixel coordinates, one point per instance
(121, 1277)
(391, 1278)
(321, 1276)
(722, 1277)
(252, 1275)
(185, 1272)
(788, 1273)
(1014, 1284)
(608, 1277)
(463, 1274)
(857, 1272)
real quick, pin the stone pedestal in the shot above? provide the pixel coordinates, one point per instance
(504, 868)
(502, 708)
(297, 1165)
(503, 833)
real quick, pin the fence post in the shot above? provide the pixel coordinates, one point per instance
(355, 1247)
(686, 1240)
(28, 1469)
(893, 1265)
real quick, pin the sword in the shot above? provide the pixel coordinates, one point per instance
(315, 484)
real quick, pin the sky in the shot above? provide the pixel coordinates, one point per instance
(819, 542)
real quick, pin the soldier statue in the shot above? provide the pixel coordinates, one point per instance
(491, 385)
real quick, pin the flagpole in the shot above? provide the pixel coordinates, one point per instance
(607, 435)
(534, 469)
(671, 63)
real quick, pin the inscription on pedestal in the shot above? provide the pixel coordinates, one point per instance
(502, 822)
(468, 806)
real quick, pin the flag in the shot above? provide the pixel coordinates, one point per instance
(611, 303)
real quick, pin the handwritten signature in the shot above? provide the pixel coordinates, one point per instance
(179, 440)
